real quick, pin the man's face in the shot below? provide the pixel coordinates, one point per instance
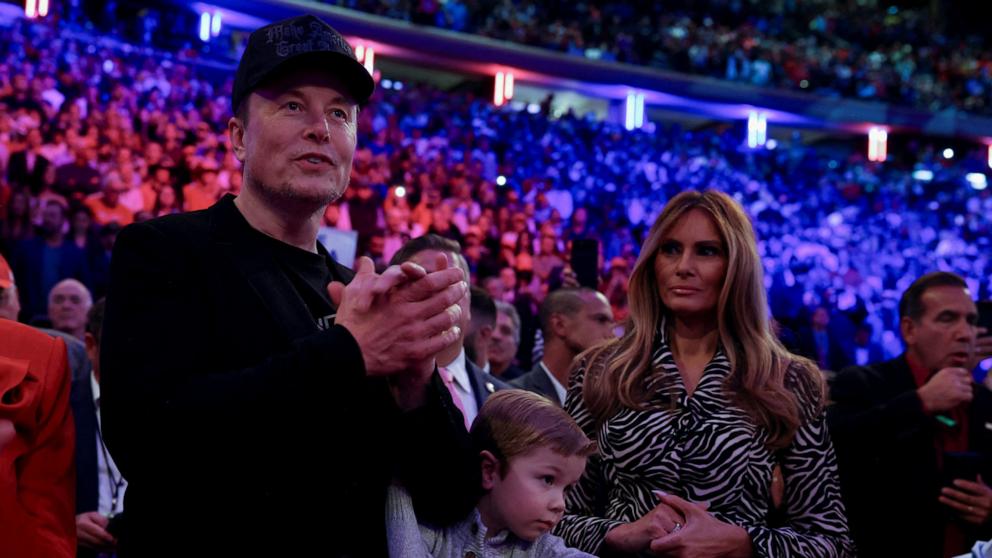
(300, 138)
(153, 153)
(592, 324)
(34, 139)
(112, 191)
(52, 219)
(68, 304)
(503, 347)
(944, 336)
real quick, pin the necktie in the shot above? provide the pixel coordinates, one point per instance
(450, 384)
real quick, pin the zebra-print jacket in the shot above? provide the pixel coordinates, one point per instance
(707, 448)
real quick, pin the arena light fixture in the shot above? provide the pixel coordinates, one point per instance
(205, 26)
(923, 175)
(948, 153)
(502, 88)
(369, 61)
(35, 8)
(878, 140)
(366, 56)
(757, 129)
(634, 109)
(215, 24)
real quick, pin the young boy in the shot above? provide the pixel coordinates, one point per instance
(531, 453)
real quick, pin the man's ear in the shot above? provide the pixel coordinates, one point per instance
(236, 130)
(907, 327)
(490, 469)
(559, 325)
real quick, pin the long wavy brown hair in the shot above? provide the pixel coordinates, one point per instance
(618, 369)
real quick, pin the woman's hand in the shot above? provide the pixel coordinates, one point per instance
(702, 536)
(637, 536)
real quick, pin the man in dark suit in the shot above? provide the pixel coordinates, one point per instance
(900, 429)
(479, 336)
(505, 343)
(100, 487)
(572, 320)
(27, 167)
(43, 261)
(468, 384)
(259, 397)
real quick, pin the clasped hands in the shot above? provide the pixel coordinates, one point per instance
(677, 527)
(401, 319)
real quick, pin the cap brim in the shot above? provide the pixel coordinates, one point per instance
(353, 75)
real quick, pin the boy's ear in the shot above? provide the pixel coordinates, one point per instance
(490, 469)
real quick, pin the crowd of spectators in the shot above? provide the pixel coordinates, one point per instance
(92, 139)
(860, 50)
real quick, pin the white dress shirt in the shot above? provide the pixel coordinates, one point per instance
(459, 375)
(107, 506)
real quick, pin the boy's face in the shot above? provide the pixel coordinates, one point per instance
(530, 499)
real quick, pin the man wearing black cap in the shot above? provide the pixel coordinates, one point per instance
(258, 396)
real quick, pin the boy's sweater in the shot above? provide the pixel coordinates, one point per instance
(408, 539)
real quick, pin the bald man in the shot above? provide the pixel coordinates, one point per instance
(572, 320)
(68, 304)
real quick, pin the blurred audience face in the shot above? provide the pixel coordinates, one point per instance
(81, 222)
(113, 189)
(68, 303)
(493, 286)
(52, 219)
(504, 344)
(10, 306)
(509, 278)
(945, 334)
(690, 267)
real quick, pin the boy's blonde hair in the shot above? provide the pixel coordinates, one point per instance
(513, 422)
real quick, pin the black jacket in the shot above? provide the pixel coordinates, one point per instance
(887, 454)
(242, 428)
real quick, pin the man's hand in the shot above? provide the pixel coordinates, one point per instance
(983, 347)
(91, 531)
(401, 318)
(970, 499)
(946, 389)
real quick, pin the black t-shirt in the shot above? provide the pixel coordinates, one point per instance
(308, 272)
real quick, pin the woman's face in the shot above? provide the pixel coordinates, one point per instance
(691, 265)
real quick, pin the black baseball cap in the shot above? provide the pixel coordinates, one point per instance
(305, 39)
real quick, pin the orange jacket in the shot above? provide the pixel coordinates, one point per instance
(37, 466)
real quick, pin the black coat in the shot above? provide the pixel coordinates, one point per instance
(242, 429)
(886, 450)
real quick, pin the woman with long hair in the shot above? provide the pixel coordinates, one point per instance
(698, 407)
